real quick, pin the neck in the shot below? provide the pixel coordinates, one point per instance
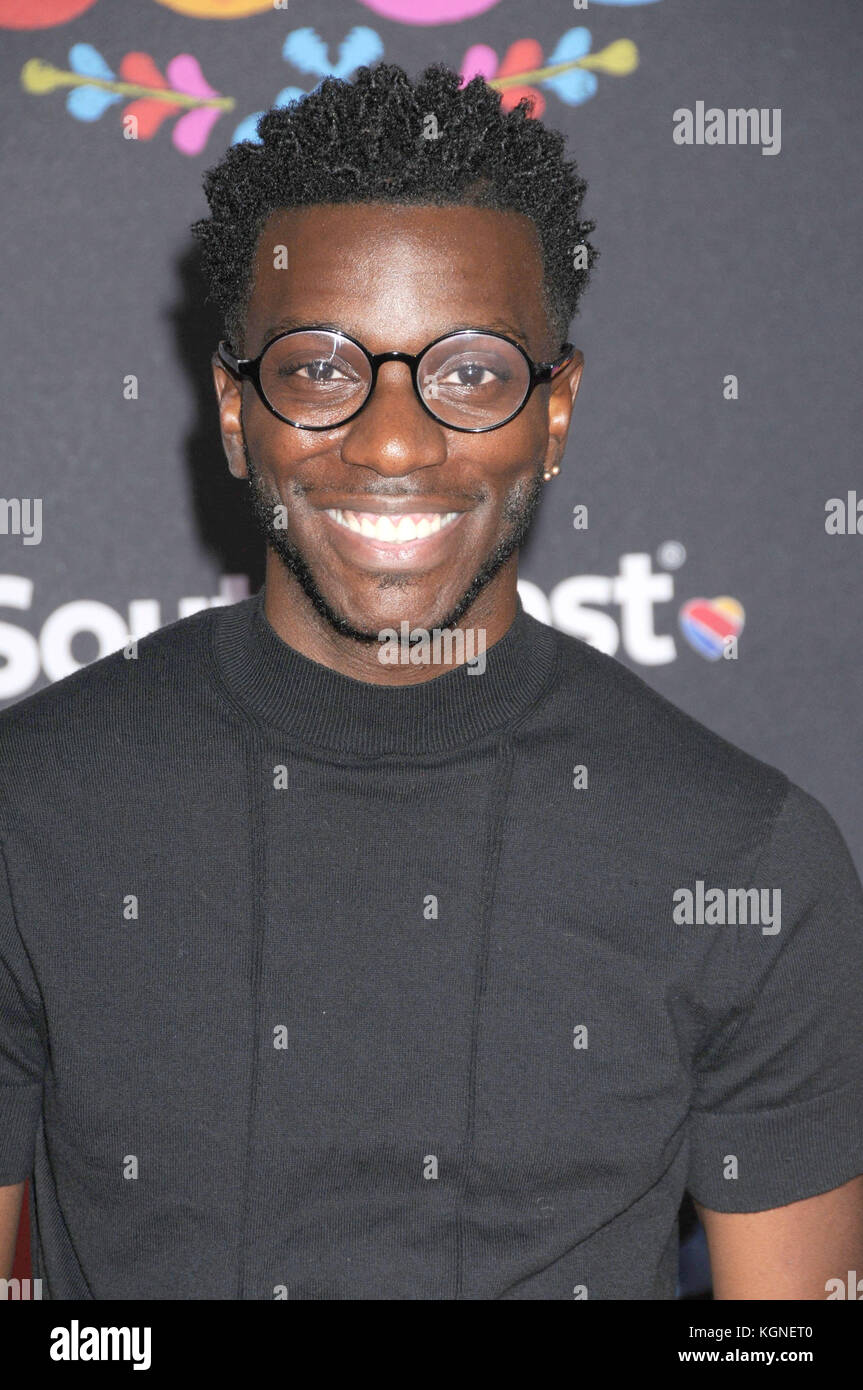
(294, 618)
(310, 704)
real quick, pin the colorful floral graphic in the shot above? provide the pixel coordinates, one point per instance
(308, 52)
(182, 92)
(40, 14)
(95, 87)
(429, 11)
(219, 9)
(448, 11)
(44, 14)
(570, 71)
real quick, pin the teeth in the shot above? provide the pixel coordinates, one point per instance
(392, 528)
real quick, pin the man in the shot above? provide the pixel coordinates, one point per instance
(340, 963)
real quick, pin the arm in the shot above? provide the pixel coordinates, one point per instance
(787, 1252)
(10, 1210)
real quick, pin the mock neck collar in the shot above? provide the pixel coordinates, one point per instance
(316, 705)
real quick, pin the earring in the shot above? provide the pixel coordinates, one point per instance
(555, 469)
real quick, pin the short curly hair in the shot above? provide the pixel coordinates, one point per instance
(361, 141)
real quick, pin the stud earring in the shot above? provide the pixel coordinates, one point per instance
(555, 469)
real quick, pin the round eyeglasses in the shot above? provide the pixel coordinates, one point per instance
(318, 379)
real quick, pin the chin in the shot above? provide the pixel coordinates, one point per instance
(391, 610)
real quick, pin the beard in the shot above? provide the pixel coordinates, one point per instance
(518, 512)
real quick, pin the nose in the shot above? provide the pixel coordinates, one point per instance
(392, 434)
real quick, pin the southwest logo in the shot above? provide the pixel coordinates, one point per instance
(707, 623)
(575, 605)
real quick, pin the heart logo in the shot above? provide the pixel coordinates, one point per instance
(707, 622)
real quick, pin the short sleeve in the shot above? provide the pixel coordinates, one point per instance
(777, 1111)
(22, 1048)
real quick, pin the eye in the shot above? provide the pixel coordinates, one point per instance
(467, 374)
(319, 370)
(472, 373)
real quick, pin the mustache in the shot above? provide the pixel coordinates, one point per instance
(391, 492)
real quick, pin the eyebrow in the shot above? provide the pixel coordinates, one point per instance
(287, 325)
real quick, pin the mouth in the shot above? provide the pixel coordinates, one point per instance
(392, 540)
(393, 530)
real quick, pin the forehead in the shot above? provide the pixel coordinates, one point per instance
(397, 275)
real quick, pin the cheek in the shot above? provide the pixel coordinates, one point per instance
(514, 451)
(278, 449)
(501, 456)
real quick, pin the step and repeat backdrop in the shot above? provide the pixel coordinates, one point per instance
(704, 529)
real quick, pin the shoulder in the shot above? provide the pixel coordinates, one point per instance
(622, 712)
(112, 680)
(661, 777)
(117, 702)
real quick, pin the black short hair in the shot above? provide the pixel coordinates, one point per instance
(362, 141)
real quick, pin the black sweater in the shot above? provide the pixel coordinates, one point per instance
(316, 989)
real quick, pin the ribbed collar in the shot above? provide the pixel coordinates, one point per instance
(310, 702)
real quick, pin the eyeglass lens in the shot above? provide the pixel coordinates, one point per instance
(318, 378)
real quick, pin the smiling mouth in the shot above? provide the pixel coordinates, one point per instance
(396, 530)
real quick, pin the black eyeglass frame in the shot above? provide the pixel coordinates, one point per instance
(249, 368)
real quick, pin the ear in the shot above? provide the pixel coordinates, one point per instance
(230, 397)
(564, 389)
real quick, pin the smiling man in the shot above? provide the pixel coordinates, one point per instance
(418, 442)
(327, 977)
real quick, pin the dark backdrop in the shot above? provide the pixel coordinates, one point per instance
(718, 260)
